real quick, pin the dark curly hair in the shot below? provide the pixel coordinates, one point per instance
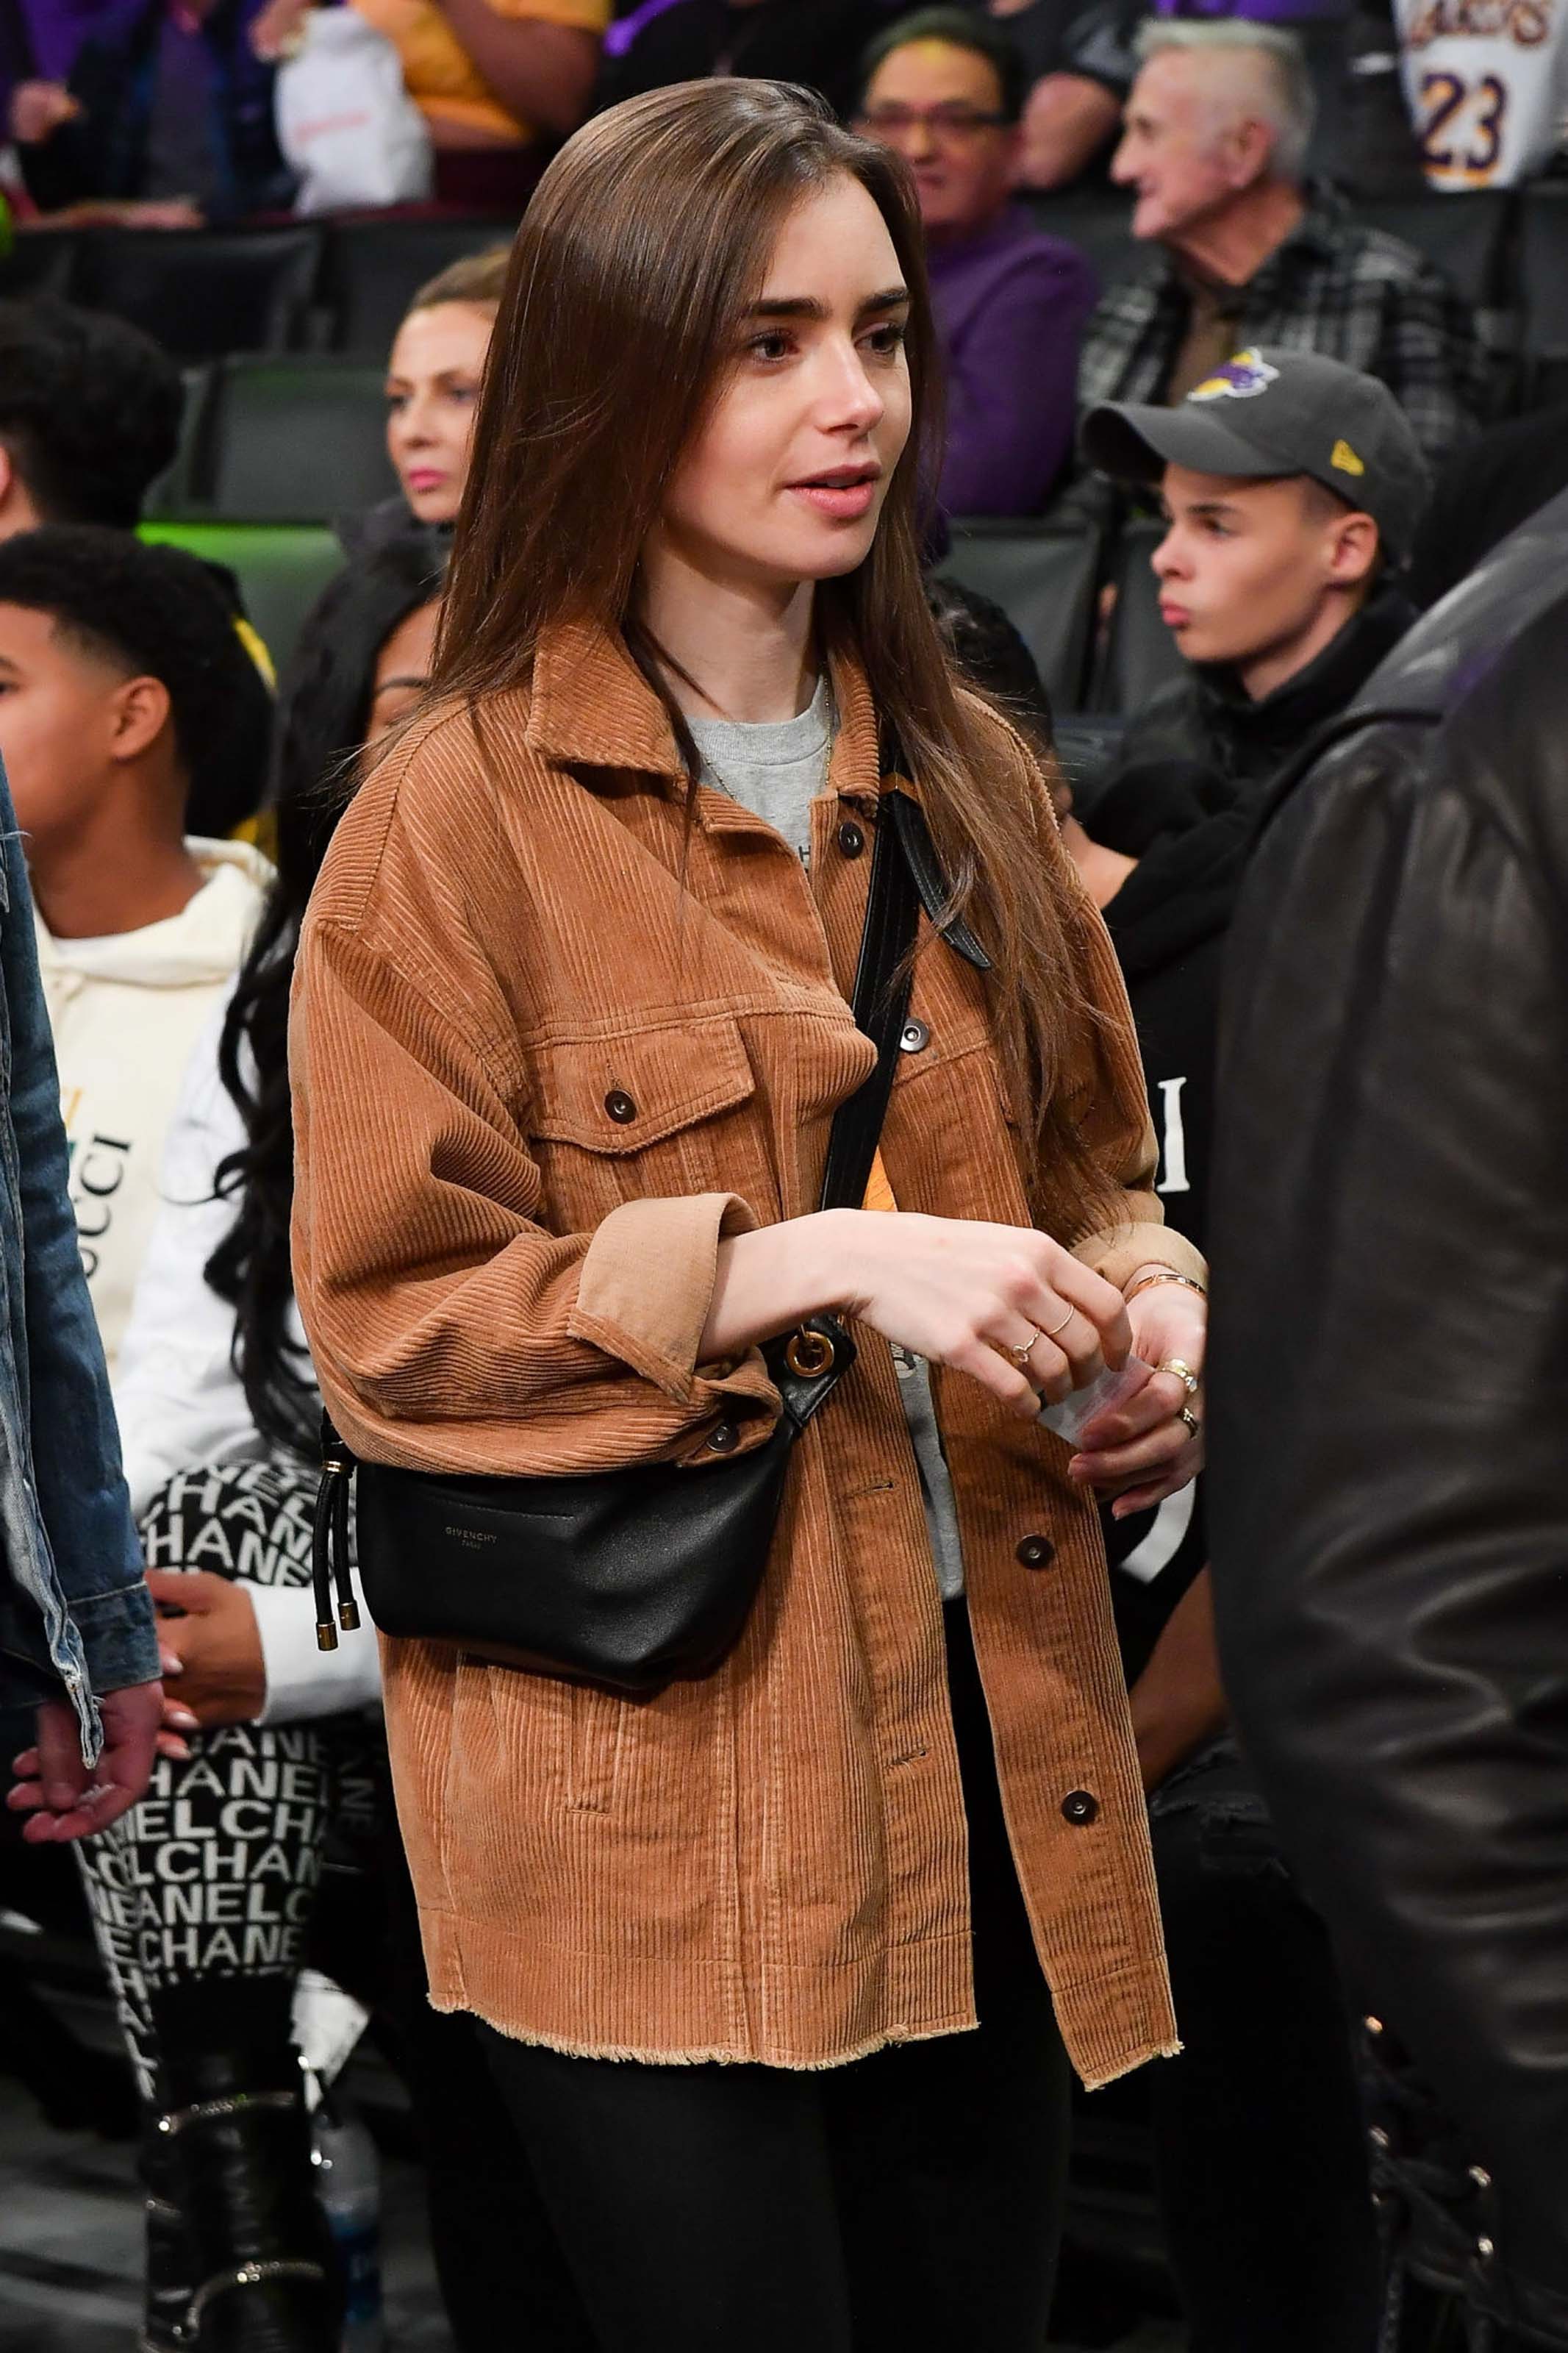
(89, 410)
(158, 613)
(324, 712)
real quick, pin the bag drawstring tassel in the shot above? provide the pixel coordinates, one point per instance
(330, 1542)
(348, 1608)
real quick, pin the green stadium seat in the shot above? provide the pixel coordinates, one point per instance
(175, 489)
(1139, 653)
(281, 570)
(1043, 576)
(294, 441)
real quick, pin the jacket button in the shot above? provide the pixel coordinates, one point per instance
(1078, 1808)
(725, 1438)
(620, 1106)
(1036, 1552)
(851, 840)
(916, 1037)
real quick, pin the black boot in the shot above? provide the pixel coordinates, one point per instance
(171, 2279)
(233, 2214)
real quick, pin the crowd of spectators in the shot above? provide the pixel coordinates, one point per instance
(1300, 398)
(164, 113)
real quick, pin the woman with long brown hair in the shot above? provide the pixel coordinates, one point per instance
(570, 1033)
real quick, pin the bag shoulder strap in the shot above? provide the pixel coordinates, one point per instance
(881, 1001)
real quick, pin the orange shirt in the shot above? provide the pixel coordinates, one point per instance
(437, 71)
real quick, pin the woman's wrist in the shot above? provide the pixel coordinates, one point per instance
(1155, 1270)
(834, 1261)
(772, 1277)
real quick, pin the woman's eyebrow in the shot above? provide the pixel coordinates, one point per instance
(808, 306)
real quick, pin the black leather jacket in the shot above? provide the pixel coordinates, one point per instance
(1389, 1377)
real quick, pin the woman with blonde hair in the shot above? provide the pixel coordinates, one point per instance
(570, 1035)
(434, 372)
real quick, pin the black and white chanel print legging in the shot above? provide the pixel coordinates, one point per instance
(216, 1871)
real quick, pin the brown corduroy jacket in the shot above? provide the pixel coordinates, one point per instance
(547, 1050)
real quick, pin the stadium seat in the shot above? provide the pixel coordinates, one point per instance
(280, 571)
(293, 440)
(203, 293)
(1043, 576)
(1139, 653)
(175, 490)
(1099, 226)
(1464, 237)
(39, 261)
(1543, 279)
(373, 268)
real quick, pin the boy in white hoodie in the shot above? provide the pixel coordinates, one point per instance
(122, 684)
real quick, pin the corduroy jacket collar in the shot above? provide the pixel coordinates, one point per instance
(591, 707)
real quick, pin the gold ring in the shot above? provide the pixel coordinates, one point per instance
(1184, 1373)
(1194, 1424)
(1062, 1326)
(1021, 1355)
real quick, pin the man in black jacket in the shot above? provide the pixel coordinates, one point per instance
(1292, 487)
(1388, 1387)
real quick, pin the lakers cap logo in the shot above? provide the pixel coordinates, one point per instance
(1241, 378)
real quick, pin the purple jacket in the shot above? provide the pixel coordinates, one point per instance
(1011, 307)
(55, 30)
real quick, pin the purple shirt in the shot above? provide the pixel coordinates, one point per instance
(1011, 307)
(57, 29)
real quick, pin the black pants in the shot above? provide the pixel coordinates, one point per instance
(1258, 2133)
(908, 2200)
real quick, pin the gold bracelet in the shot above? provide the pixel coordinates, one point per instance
(1165, 1274)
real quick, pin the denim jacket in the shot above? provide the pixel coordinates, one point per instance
(74, 1605)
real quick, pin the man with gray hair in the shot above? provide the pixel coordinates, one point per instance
(1215, 139)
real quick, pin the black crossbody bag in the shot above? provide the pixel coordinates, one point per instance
(629, 1578)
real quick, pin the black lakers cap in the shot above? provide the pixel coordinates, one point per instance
(1269, 413)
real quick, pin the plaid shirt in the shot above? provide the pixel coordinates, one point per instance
(1355, 295)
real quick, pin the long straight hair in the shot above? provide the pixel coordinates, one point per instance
(641, 250)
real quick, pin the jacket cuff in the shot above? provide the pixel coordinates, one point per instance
(646, 1284)
(1119, 1251)
(118, 1637)
(305, 1682)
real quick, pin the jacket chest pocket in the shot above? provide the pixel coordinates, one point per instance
(647, 1114)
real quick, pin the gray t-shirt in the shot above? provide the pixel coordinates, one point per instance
(776, 768)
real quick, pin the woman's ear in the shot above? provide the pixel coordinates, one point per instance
(1354, 552)
(141, 710)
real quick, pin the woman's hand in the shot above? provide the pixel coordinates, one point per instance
(978, 1297)
(211, 1651)
(1144, 1450)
